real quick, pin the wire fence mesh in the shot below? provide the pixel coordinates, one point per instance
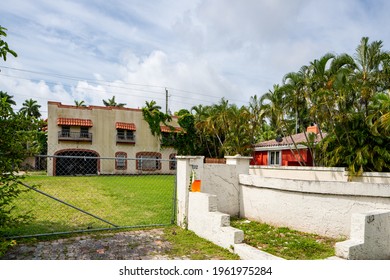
(76, 191)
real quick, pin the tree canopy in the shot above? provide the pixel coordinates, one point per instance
(346, 96)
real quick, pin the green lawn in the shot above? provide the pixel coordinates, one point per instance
(121, 200)
(284, 242)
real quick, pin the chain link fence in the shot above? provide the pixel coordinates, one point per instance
(77, 190)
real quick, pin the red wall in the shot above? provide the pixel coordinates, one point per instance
(288, 158)
(261, 158)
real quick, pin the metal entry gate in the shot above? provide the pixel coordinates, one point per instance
(123, 193)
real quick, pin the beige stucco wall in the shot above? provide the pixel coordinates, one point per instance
(104, 135)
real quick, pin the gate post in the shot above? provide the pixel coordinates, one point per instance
(185, 165)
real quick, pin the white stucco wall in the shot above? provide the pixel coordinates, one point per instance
(369, 238)
(207, 222)
(319, 207)
(328, 174)
(222, 181)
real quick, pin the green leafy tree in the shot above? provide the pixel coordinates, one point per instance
(155, 118)
(15, 131)
(186, 143)
(224, 129)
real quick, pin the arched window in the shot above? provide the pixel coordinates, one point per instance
(148, 161)
(172, 162)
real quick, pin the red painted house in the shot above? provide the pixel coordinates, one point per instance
(283, 152)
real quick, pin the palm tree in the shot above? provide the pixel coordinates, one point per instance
(8, 98)
(357, 109)
(201, 116)
(219, 122)
(256, 118)
(238, 135)
(273, 106)
(152, 106)
(4, 49)
(112, 103)
(379, 118)
(370, 63)
(30, 108)
(80, 103)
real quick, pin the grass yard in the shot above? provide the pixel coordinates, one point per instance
(284, 242)
(122, 200)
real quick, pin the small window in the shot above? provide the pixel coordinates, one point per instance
(124, 135)
(120, 161)
(121, 133)
(274, 158)
(65, 131)
(84, 132)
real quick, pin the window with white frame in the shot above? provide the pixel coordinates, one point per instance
(274, 157)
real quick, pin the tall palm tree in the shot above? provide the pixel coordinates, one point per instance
(201, 115)
(370, 64)
(30, 108)
(112, 103)
(219, 121)
(238, 135)
(273, 106)
(256, 118)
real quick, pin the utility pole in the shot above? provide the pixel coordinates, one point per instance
(166, 101)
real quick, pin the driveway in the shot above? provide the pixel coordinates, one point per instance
(132, 245)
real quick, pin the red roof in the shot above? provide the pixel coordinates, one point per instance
(74, 122)
(127, 126)
(168, 129)
(285, 141)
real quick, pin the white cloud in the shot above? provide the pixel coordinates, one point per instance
(201, 50)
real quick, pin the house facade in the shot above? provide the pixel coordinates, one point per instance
(104, 140)
(283, 152)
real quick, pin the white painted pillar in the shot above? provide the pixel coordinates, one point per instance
(185, 165)
(241, 163)
(242, 167)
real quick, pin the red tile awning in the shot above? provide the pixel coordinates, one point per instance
(74, 122)
(168, 129)
(126, 126)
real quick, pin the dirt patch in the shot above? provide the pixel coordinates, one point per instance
(132, 245)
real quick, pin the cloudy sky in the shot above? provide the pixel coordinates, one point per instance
(199, 50)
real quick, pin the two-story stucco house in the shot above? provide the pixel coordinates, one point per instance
(104, 140)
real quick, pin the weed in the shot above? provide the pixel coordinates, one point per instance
(285, 242)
